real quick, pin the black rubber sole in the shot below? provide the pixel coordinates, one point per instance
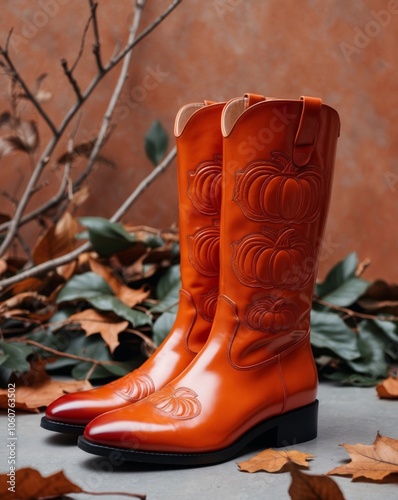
(52, 425)
(296, 426)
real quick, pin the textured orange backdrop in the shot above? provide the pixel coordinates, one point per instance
(344, 51)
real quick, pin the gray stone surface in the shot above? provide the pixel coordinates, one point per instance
(347, 415)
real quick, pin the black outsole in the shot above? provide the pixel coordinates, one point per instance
(52, 425)
(290, 428)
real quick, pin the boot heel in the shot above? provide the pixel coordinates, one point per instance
(298, 426)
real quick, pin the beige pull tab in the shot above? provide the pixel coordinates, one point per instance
(251, 99)
(304, 142)
(208, 103)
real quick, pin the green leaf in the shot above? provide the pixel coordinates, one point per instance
(371, 346)
(156, 143)
(84, 286)
(341, 287)
(162, 327)
(16, 355)
(73, 343)
(168, 290)
(390, 328)
(107, 237)
(93, 288)
(111, 303)
(328, 331)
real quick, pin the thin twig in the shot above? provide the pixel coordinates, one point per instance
(354, 314)
(144, 34)
(14, 224)
(69, 257)
(97, 44)
(144, 185)
(72, 80)
(59, 353)
(82, 43)
(104, 129)
(11, 69)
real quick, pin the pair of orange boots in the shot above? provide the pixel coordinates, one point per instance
(254, 179)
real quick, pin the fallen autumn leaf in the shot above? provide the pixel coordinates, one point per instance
(375, 461)
(274, 461)
(312, 487)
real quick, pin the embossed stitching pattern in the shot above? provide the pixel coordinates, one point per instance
(270, 315)
(181, 403)
(207, 304)
(276, 191)
(203, 250)
(272, 261)
(137, 387)
(204, 186)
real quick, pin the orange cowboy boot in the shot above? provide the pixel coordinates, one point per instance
(256, 374)
(199, 149)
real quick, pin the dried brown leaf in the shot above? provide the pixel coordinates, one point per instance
(375, 461)
(312, 487)
(92, 321)
(388, 388)
(30, 301)
(79, 197)
(30, 485)
(36, 389)
(129, 296)
(27, 285)
(274, 460)
(24, 136)
(57, 241)
(3, 266)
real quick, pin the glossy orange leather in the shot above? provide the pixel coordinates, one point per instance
(199, 145)
(257, 362)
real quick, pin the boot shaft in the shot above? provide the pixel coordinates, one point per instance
(199, 152)
(278, 168)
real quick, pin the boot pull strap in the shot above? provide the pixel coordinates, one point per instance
(208, 103)
(304, 142)
(251, 99)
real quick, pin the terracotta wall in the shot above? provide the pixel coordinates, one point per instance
(344, 51)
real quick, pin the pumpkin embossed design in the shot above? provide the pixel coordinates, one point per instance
(207, 304)
(277, 191)
(270, 315)
(181, 403)
(204, 186)
(133, 386)
(261, 260)
(203, 250)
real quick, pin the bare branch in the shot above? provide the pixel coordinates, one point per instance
(72, 80)
(11, 69)
(82, 43)
(106, 122)
(144, 185)
(97, 44)
(57, 133)
(144, 34)
(69, 257)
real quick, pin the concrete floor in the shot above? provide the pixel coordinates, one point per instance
(347, 415)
